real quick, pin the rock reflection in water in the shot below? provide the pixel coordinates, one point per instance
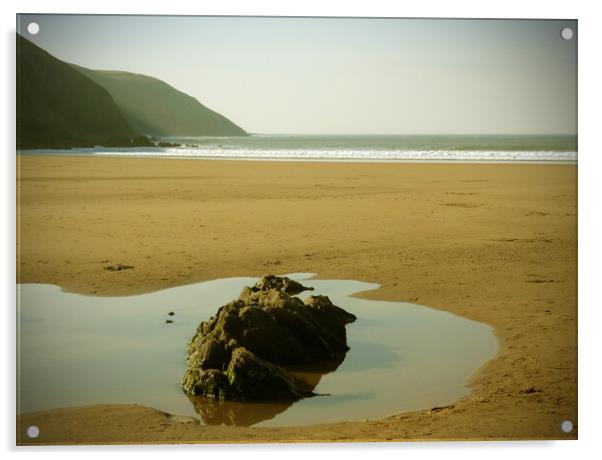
(402, 357)
(220, 412)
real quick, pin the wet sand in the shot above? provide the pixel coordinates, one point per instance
(496, 243)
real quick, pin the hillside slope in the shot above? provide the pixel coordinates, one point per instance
(155, 108)
(59, 107)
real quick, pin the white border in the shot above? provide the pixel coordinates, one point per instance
(590, 152)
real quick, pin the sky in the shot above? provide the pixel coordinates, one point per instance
(342, 76)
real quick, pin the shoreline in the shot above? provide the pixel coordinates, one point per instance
(142, 155)
(517, 217)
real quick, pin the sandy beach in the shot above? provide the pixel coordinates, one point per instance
(495, 243)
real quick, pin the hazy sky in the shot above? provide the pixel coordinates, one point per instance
(348, 76)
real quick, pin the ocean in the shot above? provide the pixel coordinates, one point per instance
(438, 148)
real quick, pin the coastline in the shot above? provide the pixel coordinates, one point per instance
(490, 242)
(504, 157)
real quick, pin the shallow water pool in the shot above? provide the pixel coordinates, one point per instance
(80, 350)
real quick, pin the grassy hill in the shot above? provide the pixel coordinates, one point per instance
(59, 107)
(155, 108)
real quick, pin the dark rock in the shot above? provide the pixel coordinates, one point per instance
(239, 352)
(212, 354)
(252, 379)
(167, 144)
(440, 408)
(171, 313)
(278, 283)
(208, 382)
(220, 411)
(118, 267)
(531, 390)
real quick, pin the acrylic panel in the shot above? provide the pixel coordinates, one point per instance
(295, 229)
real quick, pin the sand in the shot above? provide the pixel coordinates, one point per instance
(496, 243)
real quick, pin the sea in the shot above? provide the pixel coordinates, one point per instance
(385, 148)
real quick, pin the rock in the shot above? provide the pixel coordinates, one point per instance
(239, 352)
(118, 267)
(531, 390)
(220, 411)
(208, 382)
(279, 283)
(167, 144)
(251, 378)
(171, 313)
(247, 378)
(332, 318)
